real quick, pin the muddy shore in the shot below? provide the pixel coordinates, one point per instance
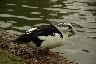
(29, 55)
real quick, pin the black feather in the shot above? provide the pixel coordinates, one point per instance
(43, 30)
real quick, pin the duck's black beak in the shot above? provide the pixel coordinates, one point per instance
(71, 33)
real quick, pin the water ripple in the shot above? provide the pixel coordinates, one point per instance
(11, 4)
(92, 37)
(20, 17)
(26, 6)
(35, 13)
(5, 24)
(10, 10)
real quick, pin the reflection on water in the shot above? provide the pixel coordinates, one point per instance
(17, 16)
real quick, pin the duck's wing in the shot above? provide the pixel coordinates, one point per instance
(32, 34)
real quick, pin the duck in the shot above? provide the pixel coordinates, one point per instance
(46, 36)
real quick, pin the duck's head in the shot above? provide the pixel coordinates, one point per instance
(66, 28)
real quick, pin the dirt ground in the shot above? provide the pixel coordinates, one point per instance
(29, 55)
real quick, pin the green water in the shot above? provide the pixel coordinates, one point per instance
(17, 16)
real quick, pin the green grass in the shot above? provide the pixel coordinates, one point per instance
(7, 58)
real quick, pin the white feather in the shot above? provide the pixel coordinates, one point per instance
(30, 30)
(51, 41)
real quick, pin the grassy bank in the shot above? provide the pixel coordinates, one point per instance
(8, 58)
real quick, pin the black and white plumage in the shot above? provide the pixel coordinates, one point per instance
(44, 36)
